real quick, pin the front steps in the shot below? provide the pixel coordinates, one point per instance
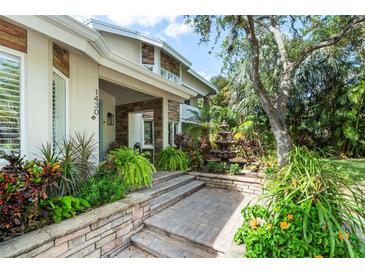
(188, 220)
(162, 246)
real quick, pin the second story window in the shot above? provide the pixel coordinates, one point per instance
(170, 68)
(148, 56)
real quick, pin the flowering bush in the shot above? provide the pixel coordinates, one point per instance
(20, 194)
(279, 234)
(313, 209)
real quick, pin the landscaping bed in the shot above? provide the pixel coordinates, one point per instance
(100, 232)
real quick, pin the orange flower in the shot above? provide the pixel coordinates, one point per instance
(319, 256)
(341, 236)
(290, 216)
(284, 225)
(254, 223)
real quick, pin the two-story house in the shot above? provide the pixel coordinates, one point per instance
(59, 76)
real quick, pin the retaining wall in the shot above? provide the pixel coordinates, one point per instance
(244, 183)
(100, 232)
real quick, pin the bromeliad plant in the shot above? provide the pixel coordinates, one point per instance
(77, 158)
(172, 159)
(313, 209)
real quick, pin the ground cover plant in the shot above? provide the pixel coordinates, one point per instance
(312, 209)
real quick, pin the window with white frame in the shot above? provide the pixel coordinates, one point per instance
(59, 93)
(148, 133)
(10, 103)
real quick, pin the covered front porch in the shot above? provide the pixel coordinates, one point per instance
(132, 113)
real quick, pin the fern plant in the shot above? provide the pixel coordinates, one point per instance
(132, 167)
(172, 159)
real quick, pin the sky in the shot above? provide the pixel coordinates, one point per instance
(172, 30)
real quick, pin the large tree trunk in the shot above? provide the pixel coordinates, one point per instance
(283, 142)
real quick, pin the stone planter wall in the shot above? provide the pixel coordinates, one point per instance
(101, 232)
(243, 183)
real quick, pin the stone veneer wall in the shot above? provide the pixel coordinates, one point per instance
(101, 232)
(121, 126)
(243, 183)
(174, 111)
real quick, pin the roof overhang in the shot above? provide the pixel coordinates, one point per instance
(79, 36)
(110, 28)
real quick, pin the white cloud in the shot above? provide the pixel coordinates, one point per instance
(82, 18)
(205, 75)
(142, 20)
(174, 29)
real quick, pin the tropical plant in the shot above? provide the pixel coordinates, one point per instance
(264, 53)
(131, 167)
(234, 169)
(217, 167)
(20, 193)
(195, 160)
(64, 207)
(102, 189)
(77, 158)
(327, 203)
(171, 159)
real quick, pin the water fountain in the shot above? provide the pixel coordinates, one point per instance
(224, 143)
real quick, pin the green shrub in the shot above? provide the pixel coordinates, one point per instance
(172, 159)
(63, 207)
(131, 167)
(77, 158)
(217, 167)
(313, 209)
(100, 190)
(195, 160)
(234, 169)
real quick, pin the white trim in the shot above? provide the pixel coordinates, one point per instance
(202, 79)
(23, 107)
(165, 122)
(89, 41)
(67, 106)
(106, 27)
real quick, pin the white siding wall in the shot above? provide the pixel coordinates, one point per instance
(127, 47)
(37, 92)
(84, 87)
(108, 130)
(187, 78)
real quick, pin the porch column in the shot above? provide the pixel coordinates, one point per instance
(165, 122)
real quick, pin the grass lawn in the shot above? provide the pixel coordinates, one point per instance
(354, 167)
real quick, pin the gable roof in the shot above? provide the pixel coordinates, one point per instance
(114, 29)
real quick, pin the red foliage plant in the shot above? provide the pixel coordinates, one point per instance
(20, 194)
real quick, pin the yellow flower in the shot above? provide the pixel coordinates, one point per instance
(319, 256)
(290, 216)
(284, 225)
(341, 236)
(254, 223)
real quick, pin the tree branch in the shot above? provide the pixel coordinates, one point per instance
(255, 73)
(327, 42)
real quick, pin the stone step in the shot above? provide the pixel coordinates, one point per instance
(163, 246)
(152, 226)
(163, 176)
(133, 251)
(171, 184)
(172, 196)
